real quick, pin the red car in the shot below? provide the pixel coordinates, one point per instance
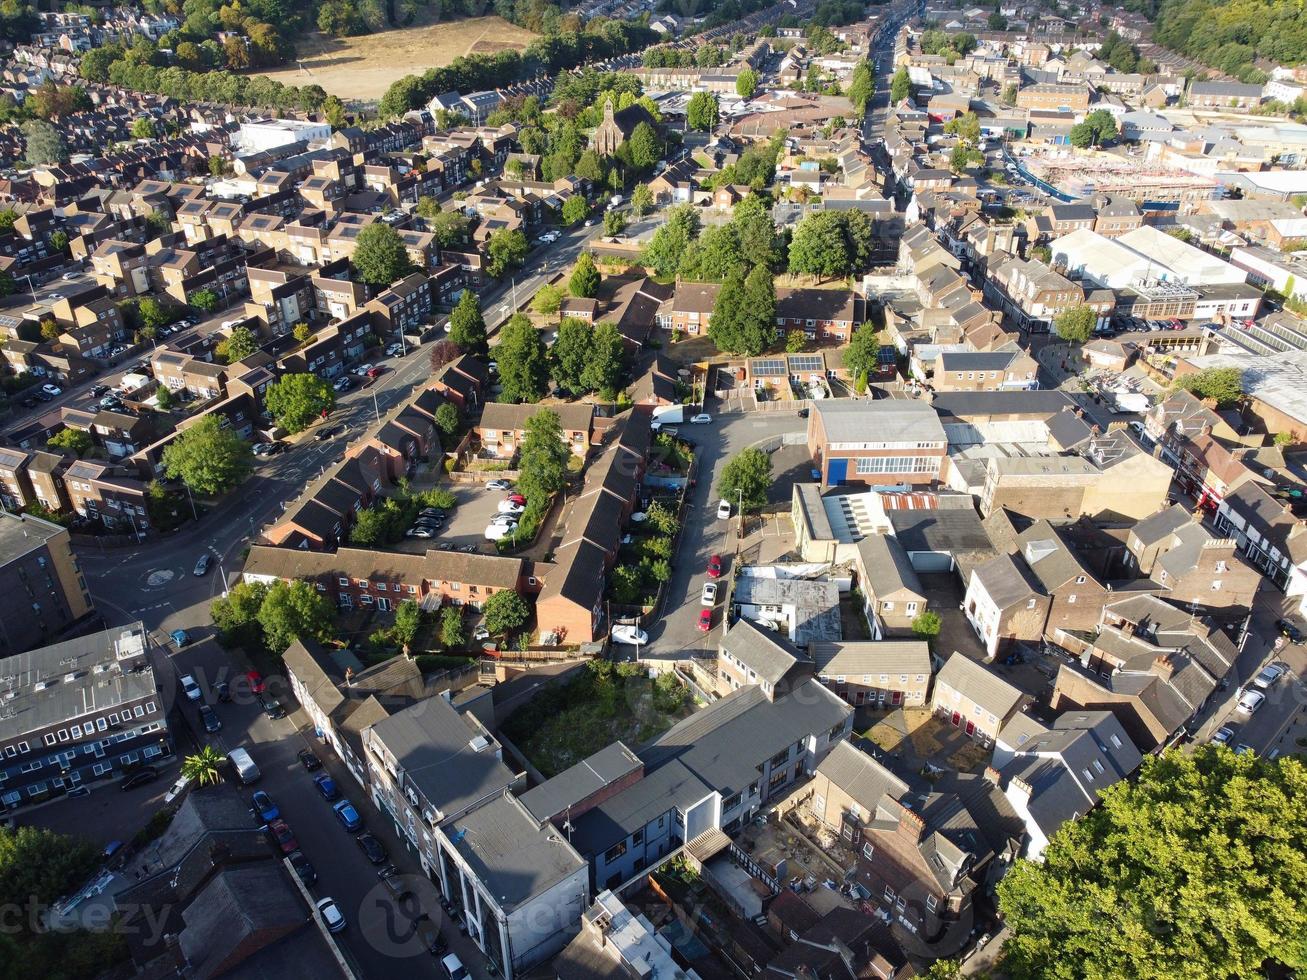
(705, 620)
(516, 498)
(715, 566)
(256, 681)
(281, 833)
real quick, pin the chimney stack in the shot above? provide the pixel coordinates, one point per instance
(1164, 667)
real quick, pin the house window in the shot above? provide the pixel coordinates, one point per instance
(614, 852)
(912, 608)
(867, 850)
(931, 903)
(887, 607)
(889, 893)
(1071, 600)
(1080, 580)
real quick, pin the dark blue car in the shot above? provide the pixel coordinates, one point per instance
(326, 786)
(349, 817)
(264, 807)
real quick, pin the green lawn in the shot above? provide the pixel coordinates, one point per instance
(600, 704)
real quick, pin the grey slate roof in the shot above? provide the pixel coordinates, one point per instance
(887, 566)
(671, 785)
(514, 855)
(980, 684)
(1007, 581)
(764, 652)
(1040, 404)
(555, 795)
(951, 530)
(888, 420)
(863, 778)
(875, 657)
(975, 360)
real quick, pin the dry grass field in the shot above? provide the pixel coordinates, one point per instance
(362, 68)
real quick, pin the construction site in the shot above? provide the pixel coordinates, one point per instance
(1082, 174)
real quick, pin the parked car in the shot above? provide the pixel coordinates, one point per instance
(1269, 675)
(264, 808)
(202, 565)
(223, 690)
(507, 520)
(326, 786)
(303, 868)
(271, 707)
(308, 760)
(420, 532)
(629, 634)
(255, 681)
(705, 620)
(1223, 735)
(709, 596)
(268, 448)
(143, 775)
(508, 507)
(1250, 701)
(98, 391)
(363, 371)
(497, 532)
(210, 720)
(451, 964)
(395, 350)
(1289, 630)
(191, 688)
(180, 637)
(349, 817)
(176, 790)
(723, 509)
(481, 633)
(282, 835)
(499, 485)
(328, 432)
(703, 418)
(330, 914)
(516, 498)
(431, 512)
(715, 566)
(342, 384)
(371, 848)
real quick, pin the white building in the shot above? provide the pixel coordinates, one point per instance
(1142, 255)
(1267, 267)
(617, 942)
(268, 134)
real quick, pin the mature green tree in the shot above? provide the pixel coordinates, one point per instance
(819, 247)
(39, 866)
(745, 478)
(408, 620)
(963, 156)
(380, 256)
(236, 614)
(453, 229)
(863, 353)
(505, 611)
(746, 83)
(607, 362)
(447, 421)
(154, 314)
(862, 86)
(1009, 96)
(209, 459)
(45, 144)
(585, 277)
(966, 127)
(900, 85)
(1076, 324)
(204, 300)
(452, 635)
(642, 201)
(1195, 868)
(744, 316)
(143, 128)
(644, 147)
(523, 361)
(570, 353)
(238, 346)
(291, 611)
(927, 625)
(333, 111)
(297, 399)
(702, 112)
(756, 230)
(575, 210)
(614, 223)
(1097, 127)
(543, 458)
(505, 250)
(373, 526)
(76, 441)
(714, 256)
(590, 166)
(667, 247)
(467, 328)
(1224, 385)
(548, 299)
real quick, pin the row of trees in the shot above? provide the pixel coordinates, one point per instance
(664, 56)
(1231, 36)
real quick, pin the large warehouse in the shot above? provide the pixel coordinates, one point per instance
(1142, 255)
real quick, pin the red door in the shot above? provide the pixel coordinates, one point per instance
(898, 697)
(957, 719)
(971, 728)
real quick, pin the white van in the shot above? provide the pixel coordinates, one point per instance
(723, 509)
(454, 968)
(246, 771)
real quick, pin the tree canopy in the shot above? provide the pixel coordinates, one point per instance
(1097, 127)
(522, 359)
(467, 328)
(746, 83)
(744, 316)
(239, 345)
(505, 250)
(380, 256)
(1224, 385)
(702, 112)
(831, 243)
(543, 458)
(505, 610)
(297, 399)
(900, 85)
(1195, 869)
(863, 353)
(290, 611)
(585, 277)
(745, 479)
(1076, 324)
(668, 244)
(209, 459)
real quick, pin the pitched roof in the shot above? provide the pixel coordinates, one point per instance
(893, 420)
(770, 656)
(980, 684)
(857, 658)
(887, 567)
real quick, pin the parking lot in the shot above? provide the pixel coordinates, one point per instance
(465, 525)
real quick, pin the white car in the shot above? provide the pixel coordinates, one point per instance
(508, 507)
(629, 634)
(1223, 735)
(52, 389)
(499, 485)
(453, 968)
(1250, 701)
(71, 276)
(191, 688)
(504, 519)
(362, 370)
(176, 790)
(709, 597)
(330, 914)
(723, 509)
(495, 532)
(703, 418)
(395, 350)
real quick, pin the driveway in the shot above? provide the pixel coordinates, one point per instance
(703, 534)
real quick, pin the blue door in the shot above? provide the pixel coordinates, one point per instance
(836, 471)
